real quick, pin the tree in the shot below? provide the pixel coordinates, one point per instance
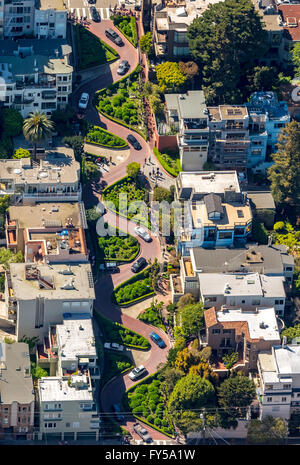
(4, 204)
(21, 153)
(263, 78)
(133, 169)
(91, 172)
(169, 76)
(37, 372)
(11, 122)
(77, 144)
(191, 393)
(192, 319)
(296, 59)
(162, 194)
(31, 341)
(37, 128)
(236, 394)
(146, 43)
(7, 256)
(190, 69)
(225, 41)
(268, 431)
(284, 174)
(184, 300)
(93, 214)
(171, 376)
(230, 359)
(291, 333)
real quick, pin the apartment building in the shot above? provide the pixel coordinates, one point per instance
(38, 295)
(43, 18)
(68, 404)
(217, 213)
(266, 260)
(188, 114)
(247, 332)
(16, 392)
(279, 380)
(35, 75)
(52, 233)
(54, 177)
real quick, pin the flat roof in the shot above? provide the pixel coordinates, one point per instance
(75, 336)
(57, 389)
(233, 112)
(41, 214)
(184, 12)
(261, 323)
(15, 380)
(214, 284)
(60, 279)
(287, 359)
(210, 181)
(52, 5)
(261, 199)
(230, 216)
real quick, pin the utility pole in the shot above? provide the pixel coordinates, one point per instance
(202, 416)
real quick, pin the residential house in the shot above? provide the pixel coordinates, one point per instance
(246, 332)
(279, 381)
(263, 207)
(38, 295)
(16, 392)
(50, 20)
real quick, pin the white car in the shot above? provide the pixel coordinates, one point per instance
(113, 346)
(142, 233)
(137, 372)
(84, 100)
(124, 66)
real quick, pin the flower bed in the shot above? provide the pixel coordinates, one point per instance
(115, 364)
(92, 51)
(115, 332)
(134, 289)
(170, 163)
(99, 136)
(126, 25)
(152, 316)
(114, 247)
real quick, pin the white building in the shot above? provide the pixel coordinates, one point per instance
(279, 373)
(38, 295)
(50, 20)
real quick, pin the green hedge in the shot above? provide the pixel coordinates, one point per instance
(170, 169)
(116, 244)
(138, 277)
(103, 138)
(117, 19)
(95, 155)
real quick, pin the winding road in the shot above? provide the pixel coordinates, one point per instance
(113, 391)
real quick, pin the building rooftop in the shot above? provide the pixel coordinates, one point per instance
(48, 214)
(58, 389)
(287, 359)
(182, 12)
(267, 103)
(270, 16)
(51, 4)
(208, 182)
(260, 258)
(261, 200)
(55, 281)
(190, 105)
(15, 376)
(290, 19)
(233, 214)
(233, 112)
(75, 336)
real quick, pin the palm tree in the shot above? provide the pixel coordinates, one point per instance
(36, 128)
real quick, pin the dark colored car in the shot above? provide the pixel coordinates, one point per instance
(158, 340)
(140, 263)
(112, 35)
(117, 410)
(95, 15)
(92, 1)
(134, 142)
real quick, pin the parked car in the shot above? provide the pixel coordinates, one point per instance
(139, 264)
(142, 233)
(157, 339)
(95, 14)
(84, 100)
(137, 372)
(113, 346)
(92, 1)
(142, 432)
(117, 410)
(114, 37)
(123, 67)
(134, 142)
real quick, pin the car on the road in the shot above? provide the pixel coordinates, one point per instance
(95, 14)
(137, 372)
(157, 339)
(123, 67)
(114, 37)
(117, 410)
(142, 432)
(84, 100)
(143, 233)
(139, 264)
(92, 1)
(113, 346)
(134, 142)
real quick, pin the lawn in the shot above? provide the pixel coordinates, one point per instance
(134, 289)
(127, 25)
(169, 160)
(115, 364)
(115, 332)
(99, 136)
(92, 51)
(119, 248)
(152, 315)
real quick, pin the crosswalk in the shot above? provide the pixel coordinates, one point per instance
(104, 13)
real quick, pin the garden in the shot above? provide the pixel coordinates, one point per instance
(119, 248)
(115, 332)
(169, 160)
(127, 25)
(135, 192)
(134, 289)
(152, 315)
(99, 136)
(115, 364)
(92, 51)
(148, 402)
(123, 102)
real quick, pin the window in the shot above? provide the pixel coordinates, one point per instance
(216, 331)
(283, 399)
(286, 386)
(269, 399)
(226, 331)
(225, 235)
(255, 302)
